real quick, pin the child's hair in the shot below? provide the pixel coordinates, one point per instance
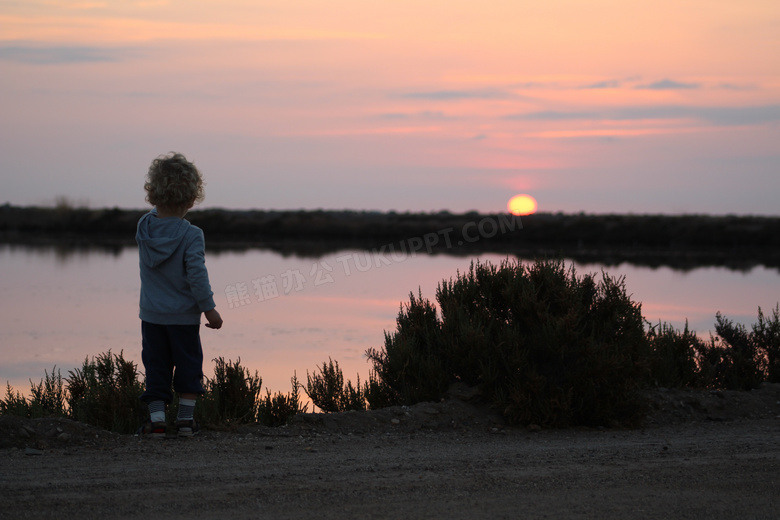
(173, 182)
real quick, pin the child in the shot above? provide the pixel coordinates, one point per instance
(175, 290)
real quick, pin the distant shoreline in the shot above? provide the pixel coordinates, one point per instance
(684, 241)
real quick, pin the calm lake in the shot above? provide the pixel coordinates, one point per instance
(287, 314)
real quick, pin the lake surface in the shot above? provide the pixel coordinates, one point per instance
(287, 314)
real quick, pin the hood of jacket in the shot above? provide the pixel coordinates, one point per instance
(158, 237)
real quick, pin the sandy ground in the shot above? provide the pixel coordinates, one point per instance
(700, 455)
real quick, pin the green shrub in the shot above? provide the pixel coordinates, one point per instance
(735, 358)
(232, 397)
(48, 396)
(674, 357)
(545, 345)
(742, 357)
(738, 359)
(766, 334)
(14, 403)
(104, 393)
(328, 392)
(377, 394)
(279, 408)
(412, 364)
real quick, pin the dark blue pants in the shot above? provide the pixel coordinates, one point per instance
(171, 353)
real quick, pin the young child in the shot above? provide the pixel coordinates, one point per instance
(175, 290)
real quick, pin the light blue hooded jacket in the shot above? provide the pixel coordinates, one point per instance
(175, 287)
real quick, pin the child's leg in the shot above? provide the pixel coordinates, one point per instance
(188, 358)
(158, 363)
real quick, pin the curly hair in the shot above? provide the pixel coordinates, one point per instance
(173, 182)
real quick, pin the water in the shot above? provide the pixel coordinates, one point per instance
(57, 308)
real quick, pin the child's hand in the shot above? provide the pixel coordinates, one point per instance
(214, 319)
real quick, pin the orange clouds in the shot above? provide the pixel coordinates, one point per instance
(545, 88)
(128, 30)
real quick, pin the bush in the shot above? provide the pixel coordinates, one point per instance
(104, 393)
(279, 408)
(14, 403)
(766, 335)
(377, 394)
(738, 359)
(674, 357)
(48, 396)
(733, 359)
(545, 345)
(232, 397)
(328, 392)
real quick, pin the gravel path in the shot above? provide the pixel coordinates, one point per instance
(370, 466)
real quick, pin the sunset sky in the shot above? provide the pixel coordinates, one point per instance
(597, 106)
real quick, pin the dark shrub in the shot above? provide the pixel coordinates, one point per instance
(104, 392)
(232, 397)
(279, 408)
(377, 393)
(673, 357)
(48, 396)
(545, 345)
(741, 357)
(328, 391)
(738, 359)
(766, 334)
(412, 364)
(14, 403)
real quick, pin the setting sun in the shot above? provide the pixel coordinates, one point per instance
(522, 205)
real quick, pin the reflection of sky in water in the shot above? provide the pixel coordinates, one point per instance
(57, 310)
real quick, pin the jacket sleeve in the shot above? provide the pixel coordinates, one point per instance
(197, 275)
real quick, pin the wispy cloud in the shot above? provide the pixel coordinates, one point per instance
(668, 84)
(603, 84)
(738, 115)
(426, 114)
(720, 116)
(454, 95)
(58, 55)
(537, 85)
(739, 87)
(551, 115)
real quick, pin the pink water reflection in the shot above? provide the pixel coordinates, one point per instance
(58, 310)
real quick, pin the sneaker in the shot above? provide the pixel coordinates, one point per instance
(187, 428)
(152, 430)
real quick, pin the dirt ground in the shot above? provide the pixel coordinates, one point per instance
(700, 455)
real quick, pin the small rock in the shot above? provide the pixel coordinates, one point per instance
(395, 421)
(24, 433)
(63, 436)
(33, 451)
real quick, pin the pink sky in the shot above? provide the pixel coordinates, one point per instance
(597, 106)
